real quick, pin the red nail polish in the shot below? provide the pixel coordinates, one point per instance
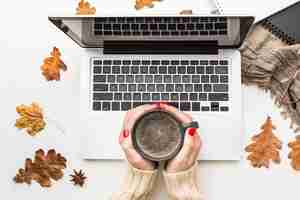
(192, 131)
(125, 133)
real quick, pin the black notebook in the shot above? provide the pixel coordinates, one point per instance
(285, 24)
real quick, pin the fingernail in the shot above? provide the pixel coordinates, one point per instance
(160, 104)
(125, 133)
(192, 131)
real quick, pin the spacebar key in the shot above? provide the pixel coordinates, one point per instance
(103, 96)
(218, 97)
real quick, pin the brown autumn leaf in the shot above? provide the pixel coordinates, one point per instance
(139, 4)
(85, 8)
(31, 118)
(294, 154)
(186, 12)
(43, 169)
(52, 66)
(265, 147)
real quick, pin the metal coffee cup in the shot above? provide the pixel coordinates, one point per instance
(158, 136)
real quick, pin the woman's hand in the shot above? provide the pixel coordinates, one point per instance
(133, 157)
(188, 155)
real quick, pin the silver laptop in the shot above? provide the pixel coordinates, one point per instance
(191, 62)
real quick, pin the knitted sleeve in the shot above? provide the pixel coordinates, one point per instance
(183, 185)
(138, 185)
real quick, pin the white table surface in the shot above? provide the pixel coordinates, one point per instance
(26, 37)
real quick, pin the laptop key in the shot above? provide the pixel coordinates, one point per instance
(209, 70)
(184, 97)
(153, 70)
(129, 78)
(111, 78)
(150, 88)
(149, 78)
(135, 69)
(97, 106)
(198, 87)
(155, 97)
(218, 97)
(144, 69)
(105, 106)
(220, 88)
(202, 96)
(141, 87)
(181, 69)
(97, 62)
(127, 96)
(185, 106)
(223, 62)
(207, 88)
(167, 79)
(160, 87)
(195, 78)
(103, 96)
(146, 96)
(176, 78)
(179, 88)
(169, 88)
(100, 78)
(172, 70)
(115, 106)
(205, 108)
(205, 79)
(165, 96)
(116, 69)
(137, 97)
(224, 79)
(186, 78)
(222, 70)
(123, 88)
(126, 106)
(132, 87)
(224, 108)
(174, 97)
(191, 69)
(118, 96)
(158, 78)
(162, 69)
(214, 106)
(120, 79)
(106, 69)
(200, 70)
(139, 78)
(196, 106)
(188, 88)
(193, 96)
(97, 70)
(214, 78)
(125, 69)
(113, 88)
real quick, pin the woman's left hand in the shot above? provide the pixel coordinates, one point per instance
(133, 157)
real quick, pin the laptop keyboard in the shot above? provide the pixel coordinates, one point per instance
(160, 26)
(189, 85)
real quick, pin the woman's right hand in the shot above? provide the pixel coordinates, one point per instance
(188, 155)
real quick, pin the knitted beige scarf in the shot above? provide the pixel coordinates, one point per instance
(273, 65)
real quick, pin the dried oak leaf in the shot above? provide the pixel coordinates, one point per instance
(42, 169)
(85, 8)
(52, 66)
(186, 12)
(31, 118)
(78, 178)
(265, 146)
(139, 4)
(294, 154)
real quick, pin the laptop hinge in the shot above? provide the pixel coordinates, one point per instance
(161, 47)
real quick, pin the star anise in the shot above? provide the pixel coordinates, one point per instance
(78, 178)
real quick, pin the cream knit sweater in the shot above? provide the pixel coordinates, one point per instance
(138, 185)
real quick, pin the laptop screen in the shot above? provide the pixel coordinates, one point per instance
(91, 32)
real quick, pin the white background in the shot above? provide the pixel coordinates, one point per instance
(26, 37)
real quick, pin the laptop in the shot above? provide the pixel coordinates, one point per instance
(190, 62)
(266, 8)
